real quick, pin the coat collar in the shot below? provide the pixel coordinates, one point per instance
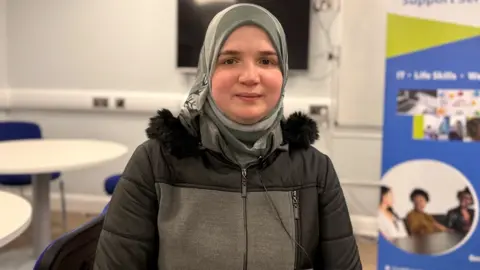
(299, 132)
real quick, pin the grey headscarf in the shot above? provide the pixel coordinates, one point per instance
(242, 144)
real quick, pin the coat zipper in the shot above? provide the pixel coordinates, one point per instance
(244, 196)
(245, 224)
(296, 215)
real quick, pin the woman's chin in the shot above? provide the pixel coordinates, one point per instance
(248, 117)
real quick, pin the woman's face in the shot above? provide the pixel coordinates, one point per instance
(247, 81)
(477, 138)
(419, 202)
(466, 200)
(388, 198)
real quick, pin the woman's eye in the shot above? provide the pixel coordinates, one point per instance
(267, 62)
(229, 61)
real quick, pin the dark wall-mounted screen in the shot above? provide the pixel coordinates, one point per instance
(195, 15)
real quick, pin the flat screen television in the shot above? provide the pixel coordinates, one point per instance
(194, 16)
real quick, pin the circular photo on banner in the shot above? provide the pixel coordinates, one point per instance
(427, 207)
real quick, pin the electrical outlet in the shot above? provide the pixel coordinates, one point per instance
(100, 102)
(120, 103)
(326, 5)
(318, 110)
(320, 114)
(334, 54)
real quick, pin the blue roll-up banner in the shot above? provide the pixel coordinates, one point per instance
(428, 207)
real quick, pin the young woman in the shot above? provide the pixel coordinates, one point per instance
(231, 184)
(391, 226)
(418, 221)
(473, 129)
(460, 218)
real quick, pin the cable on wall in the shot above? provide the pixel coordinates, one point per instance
(329, 54)
(332, 55)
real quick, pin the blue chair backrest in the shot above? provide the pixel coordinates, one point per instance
(74, 250)
(105, 209)
(11, 130)
(111, 182)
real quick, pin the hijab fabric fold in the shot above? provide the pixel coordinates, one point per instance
(241, 144)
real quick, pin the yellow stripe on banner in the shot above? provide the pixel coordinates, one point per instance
(410, 34)
(418, 133)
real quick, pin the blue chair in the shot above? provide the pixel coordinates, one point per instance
(111, 183)
(11, 130)
(74, 250)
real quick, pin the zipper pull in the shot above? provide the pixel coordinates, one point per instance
(296, 208)
(244, 183)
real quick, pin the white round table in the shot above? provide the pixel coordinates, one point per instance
(41, 158)
(15, 213)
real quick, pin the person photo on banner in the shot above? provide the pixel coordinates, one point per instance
(460, 218)
(391, 226)
(418, 221)
(456, 133)
(473, 129)
(430, 133)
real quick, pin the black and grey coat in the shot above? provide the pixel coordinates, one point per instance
(179, 206)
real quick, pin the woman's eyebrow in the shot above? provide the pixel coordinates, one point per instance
(263, 52)
(230, 52)
(268, 52)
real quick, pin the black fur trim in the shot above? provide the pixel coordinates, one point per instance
(168, 129)
(299, 131)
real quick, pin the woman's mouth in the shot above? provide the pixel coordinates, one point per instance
(248, 96)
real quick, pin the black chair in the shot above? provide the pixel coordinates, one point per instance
(74, 250)
(441, 218)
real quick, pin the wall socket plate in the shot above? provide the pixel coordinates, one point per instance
(100, 102)
(318, 110)
(320, 113)
(326, 5)
(120, 103)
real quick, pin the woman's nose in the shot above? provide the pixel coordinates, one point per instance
(249, 74)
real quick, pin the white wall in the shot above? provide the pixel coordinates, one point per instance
(357, 157)
(3, 44)
(3, 56)
(130, 45)
(361, 92)
(358, 94)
